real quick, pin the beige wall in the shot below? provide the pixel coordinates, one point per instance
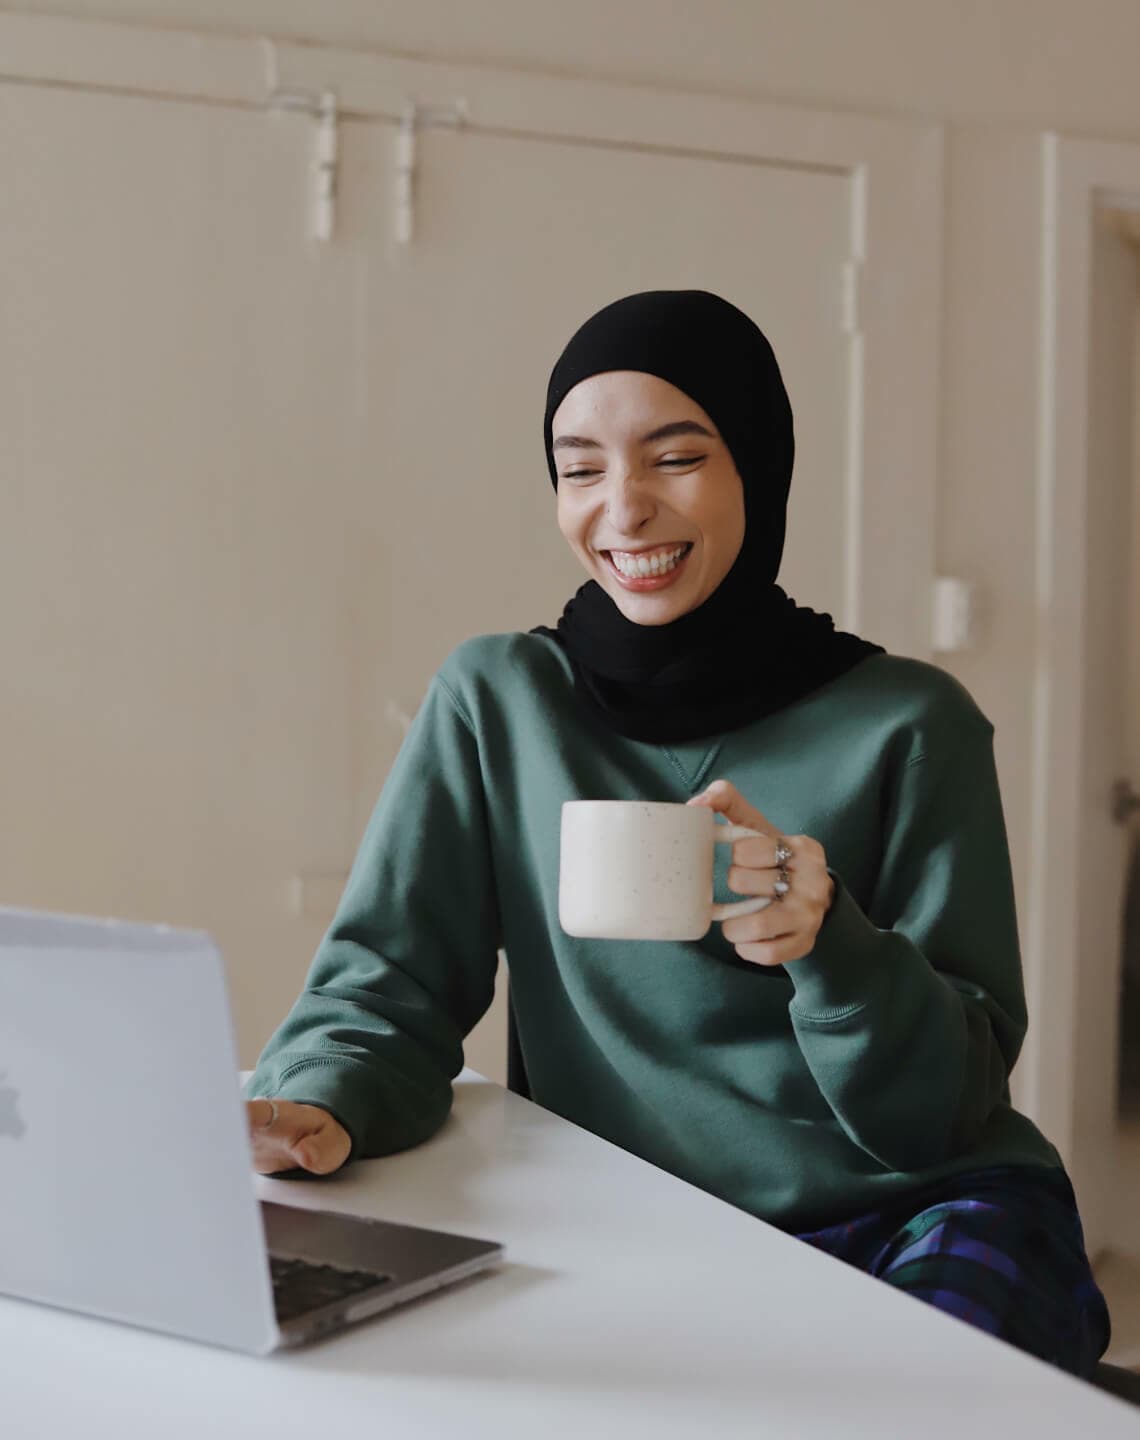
(985, 515)
(997, 73)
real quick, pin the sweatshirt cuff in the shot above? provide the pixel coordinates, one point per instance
(845, 968)
(332, 1083)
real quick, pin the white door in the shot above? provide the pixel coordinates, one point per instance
(518, 241)
(259, 488)
(1101, 849)
(177, 422)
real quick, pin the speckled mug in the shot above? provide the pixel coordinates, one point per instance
(642, 870)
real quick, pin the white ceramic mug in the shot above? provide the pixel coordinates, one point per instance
(642, 870)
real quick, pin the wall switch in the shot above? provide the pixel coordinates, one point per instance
(954, 614)
(315, 894)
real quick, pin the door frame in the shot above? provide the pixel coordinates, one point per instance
(1077, 177)
(888, 299)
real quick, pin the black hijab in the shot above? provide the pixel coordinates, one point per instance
(749, 650)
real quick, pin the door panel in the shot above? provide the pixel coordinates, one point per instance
(517, 242)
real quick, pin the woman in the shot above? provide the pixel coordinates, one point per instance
(837, 1063)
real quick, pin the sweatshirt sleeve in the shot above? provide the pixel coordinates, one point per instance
(408, 964)
(910, 1016)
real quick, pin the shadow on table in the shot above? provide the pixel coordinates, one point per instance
(820, 1385)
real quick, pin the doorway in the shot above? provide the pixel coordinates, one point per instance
(1124, 1240)
(1114, 565)
(1123, 224)
(1110, 772)
(1086, 729)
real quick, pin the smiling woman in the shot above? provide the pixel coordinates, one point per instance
(836, 1060)
(655, 512)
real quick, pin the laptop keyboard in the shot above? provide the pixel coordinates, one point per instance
(300, 1286)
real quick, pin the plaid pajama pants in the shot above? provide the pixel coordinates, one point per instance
(1001, 1248)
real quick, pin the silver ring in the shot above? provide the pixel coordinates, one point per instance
(783, 883)
(783, 852)
(269, 1124)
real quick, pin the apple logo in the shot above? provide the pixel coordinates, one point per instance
(10, 1120)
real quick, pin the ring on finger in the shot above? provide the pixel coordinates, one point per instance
(783, 882)
(269, 1124)
(783, 852)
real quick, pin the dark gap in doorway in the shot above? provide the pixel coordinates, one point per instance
(1129, 1073)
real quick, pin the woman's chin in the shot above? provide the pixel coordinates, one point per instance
(650, 608)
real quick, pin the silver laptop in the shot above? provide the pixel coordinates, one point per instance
(126, 1186)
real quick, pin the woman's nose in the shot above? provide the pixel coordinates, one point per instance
(629, 505)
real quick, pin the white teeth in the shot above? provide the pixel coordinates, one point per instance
(637, 567)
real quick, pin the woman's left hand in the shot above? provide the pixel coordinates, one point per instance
(785, 930)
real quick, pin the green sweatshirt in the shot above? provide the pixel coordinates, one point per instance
(805, 1094)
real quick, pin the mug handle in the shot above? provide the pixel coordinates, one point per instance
(729, 835)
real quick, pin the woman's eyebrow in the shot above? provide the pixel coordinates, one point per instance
(663, 432)
(677, 427)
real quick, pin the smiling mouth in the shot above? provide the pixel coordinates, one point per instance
(648, 569)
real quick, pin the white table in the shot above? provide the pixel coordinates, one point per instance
(631, 1305)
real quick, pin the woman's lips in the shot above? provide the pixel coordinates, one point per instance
(642, 583)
